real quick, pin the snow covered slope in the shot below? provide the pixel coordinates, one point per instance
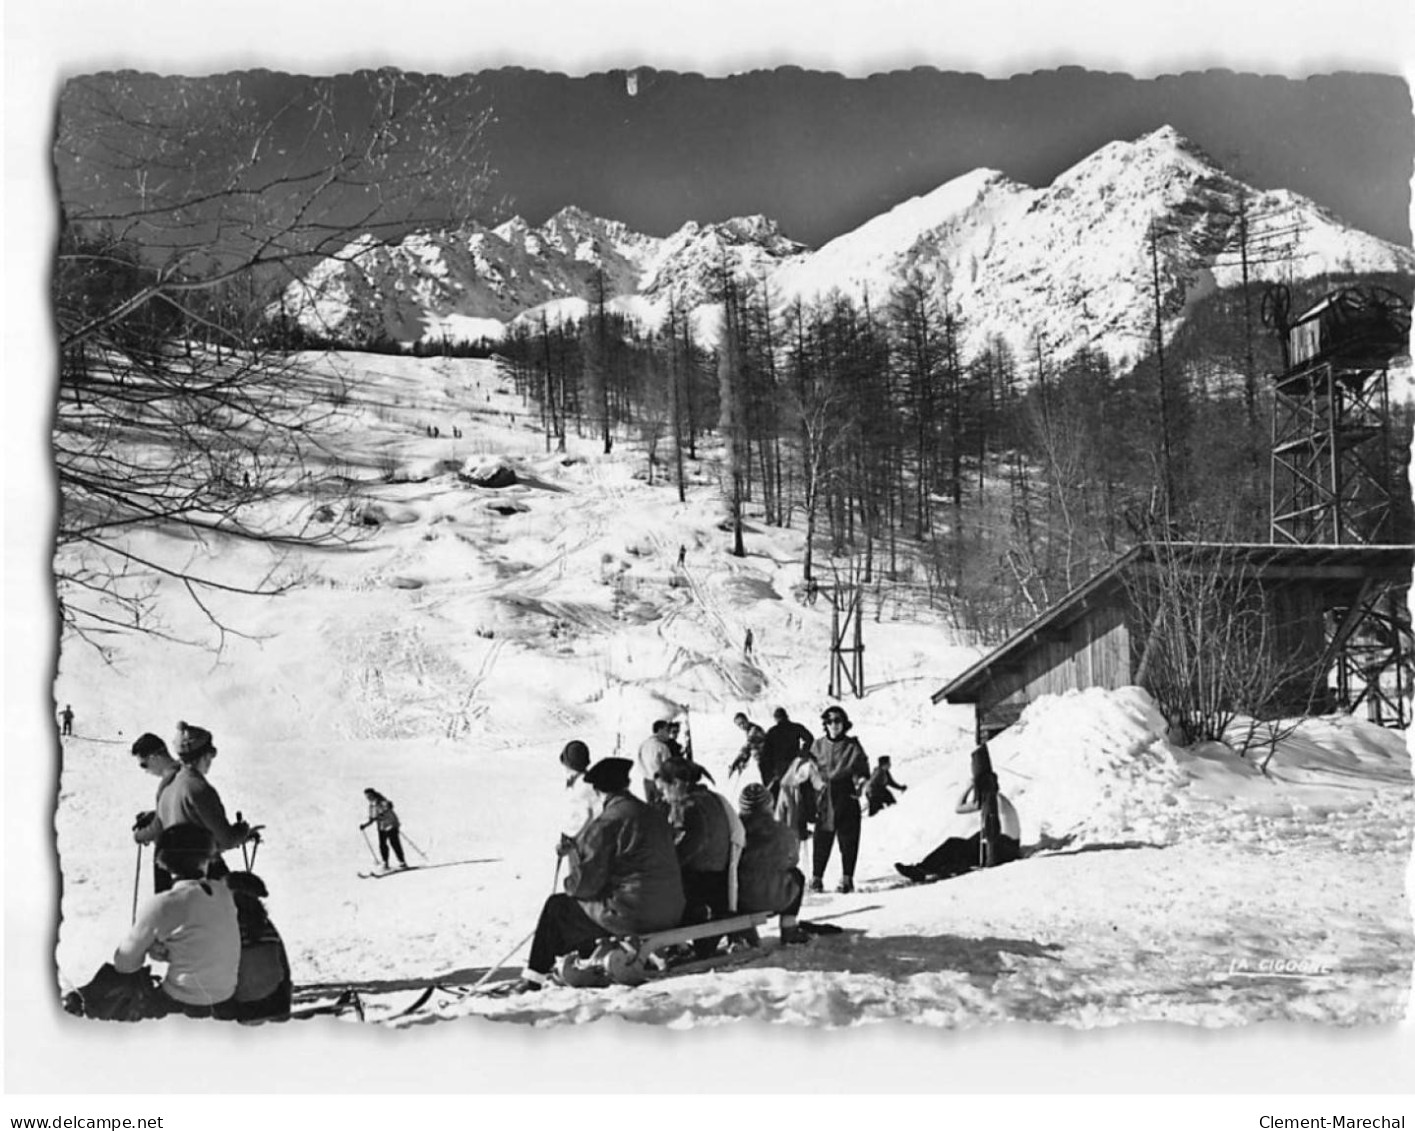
(1069, 264)
(447, 656)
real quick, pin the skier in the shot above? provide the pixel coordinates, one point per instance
(798, 802)
(751, 749)
(583, 802)
(654, 753)
(152, 756)
(623, 877)
(66, 721)
(747, 645)
(191, 799)
(193, 928)
(957, 855)
(682, 555)
(768, 878)
(845, 768)
(784, 741)
(877, 795)
(380, 812)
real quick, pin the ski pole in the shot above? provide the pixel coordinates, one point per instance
(414, 847)
(364, 829)
(512, 952)
(137, 879)
(245, 856)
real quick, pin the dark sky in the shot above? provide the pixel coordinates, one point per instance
(821, 153)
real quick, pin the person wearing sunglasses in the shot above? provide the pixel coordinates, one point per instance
(845, 768)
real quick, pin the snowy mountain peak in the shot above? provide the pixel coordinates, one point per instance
(1067, 263)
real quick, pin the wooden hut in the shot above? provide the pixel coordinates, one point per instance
(1336, 613)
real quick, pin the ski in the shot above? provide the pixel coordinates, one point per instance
(387, 872)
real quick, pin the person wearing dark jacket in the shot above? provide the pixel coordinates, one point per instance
(152, 756)
(845, 768)
(623, 877)
(382, 814)
(263, 984)
(783, 743)
(702, 839)
(767, 876)
(877, 795)
(192, 800)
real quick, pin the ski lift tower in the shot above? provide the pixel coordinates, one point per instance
(1333, 483)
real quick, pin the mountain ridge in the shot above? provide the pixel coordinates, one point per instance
(1060, 268)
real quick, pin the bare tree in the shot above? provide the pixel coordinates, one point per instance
(1212, 647)
(186, 206)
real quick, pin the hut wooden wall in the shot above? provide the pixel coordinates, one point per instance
(1093, 650)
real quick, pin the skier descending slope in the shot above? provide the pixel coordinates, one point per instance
(380, 812)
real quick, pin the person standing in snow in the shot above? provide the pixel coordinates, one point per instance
(877, 795)
(66, 721)
(583, 801)
(152, 756)
(192, 927)
(957, 855)
(751, 749)
(798, 802)
(654, 753)
(747, 645)
(382, 814)
(189, 799)
(768, 878)
(623, 877)
(784, 741)
(845, 768)
(682, 555)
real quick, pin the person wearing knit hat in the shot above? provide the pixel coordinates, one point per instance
(582, 802)
(754, 797)
(151, 755)
(767, 876)
(192, 800)
(622, 878)
(193, 743)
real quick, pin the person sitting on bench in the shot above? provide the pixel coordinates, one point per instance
(767, 876)
(623, 877)
(957, 855)
(702, 838)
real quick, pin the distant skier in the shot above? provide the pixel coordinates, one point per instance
(66, 720)
(877, 795)
(682, 555)
(747, 645)
(957, 855)
(380, 812)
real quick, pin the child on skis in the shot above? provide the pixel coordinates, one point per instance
(380, 812)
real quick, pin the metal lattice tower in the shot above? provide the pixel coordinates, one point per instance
(1332, 480)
